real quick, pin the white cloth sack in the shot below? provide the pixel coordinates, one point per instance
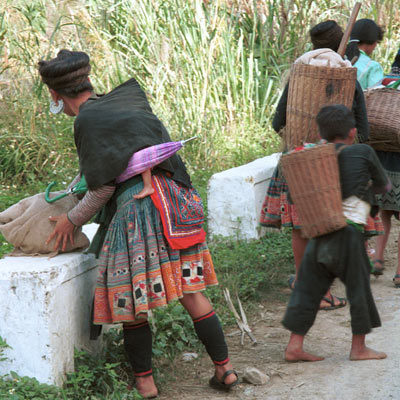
(26, 225)
(323, 58)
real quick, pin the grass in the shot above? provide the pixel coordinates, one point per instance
(213, 69)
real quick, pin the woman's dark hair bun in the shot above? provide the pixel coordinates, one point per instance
(327, 34)
(67, 73)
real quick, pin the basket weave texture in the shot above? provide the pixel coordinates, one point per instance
(383, 107)
(314, 185)
(310, 88)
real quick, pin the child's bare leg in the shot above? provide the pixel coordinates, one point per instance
(381, 240)
(359, 351)
(147, 188)
(294, 350)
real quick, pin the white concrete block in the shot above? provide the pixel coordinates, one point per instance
(45, 312)
(235, 198)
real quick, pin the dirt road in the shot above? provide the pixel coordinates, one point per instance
(334, 378)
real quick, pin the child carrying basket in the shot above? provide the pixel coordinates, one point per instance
(340, 250)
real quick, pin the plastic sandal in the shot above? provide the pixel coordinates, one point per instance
(292, 281)
(396, 284)
(331, 300)
(220, 385)
(377, 267)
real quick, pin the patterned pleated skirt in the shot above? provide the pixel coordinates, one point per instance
(138, 271)
(390, 161)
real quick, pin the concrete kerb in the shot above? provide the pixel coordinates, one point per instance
(46, 312)
(235, 198)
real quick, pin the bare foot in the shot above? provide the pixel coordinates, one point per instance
(366, 354)
(146, 191)
(293, 355)
(146, 387)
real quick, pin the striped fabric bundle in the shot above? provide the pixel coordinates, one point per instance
(149, 158)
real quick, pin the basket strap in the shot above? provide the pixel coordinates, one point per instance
(338, 151)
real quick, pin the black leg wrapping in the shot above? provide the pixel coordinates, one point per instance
(138, 347)
(209, 331)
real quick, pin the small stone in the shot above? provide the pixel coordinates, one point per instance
(249, 391)
(254, 376)
(189, 356)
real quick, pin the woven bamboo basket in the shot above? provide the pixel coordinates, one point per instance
(384, 119)
(310, 88)
(313, 179)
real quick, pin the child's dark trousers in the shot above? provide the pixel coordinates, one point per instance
(340, 254)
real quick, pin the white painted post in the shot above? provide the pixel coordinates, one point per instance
(45, 312)
(235, 198)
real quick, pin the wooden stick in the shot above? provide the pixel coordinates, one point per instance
(245, 323)
(349, 28)
(241, 321)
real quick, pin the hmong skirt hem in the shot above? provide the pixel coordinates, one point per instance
(144, 315)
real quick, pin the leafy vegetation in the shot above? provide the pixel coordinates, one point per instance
(213, 69)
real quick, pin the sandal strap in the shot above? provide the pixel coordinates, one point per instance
(227, 373)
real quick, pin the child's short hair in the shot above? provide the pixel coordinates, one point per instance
(335, 121)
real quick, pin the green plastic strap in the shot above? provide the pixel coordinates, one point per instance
(359, 227)
(47, 194)
(81, 187)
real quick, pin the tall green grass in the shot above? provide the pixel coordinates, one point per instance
(210, 68)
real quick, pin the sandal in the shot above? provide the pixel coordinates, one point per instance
(292, 281)
(331, 301)
(396, 283)
(377, 267)
(220, 384)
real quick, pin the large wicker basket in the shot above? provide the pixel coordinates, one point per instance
(310, 88)
(313, 179)
(383, 107)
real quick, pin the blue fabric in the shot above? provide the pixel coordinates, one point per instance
(369, 72)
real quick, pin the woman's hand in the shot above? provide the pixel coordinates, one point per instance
(63, 232)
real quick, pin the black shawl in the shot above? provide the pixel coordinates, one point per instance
(110, 128)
